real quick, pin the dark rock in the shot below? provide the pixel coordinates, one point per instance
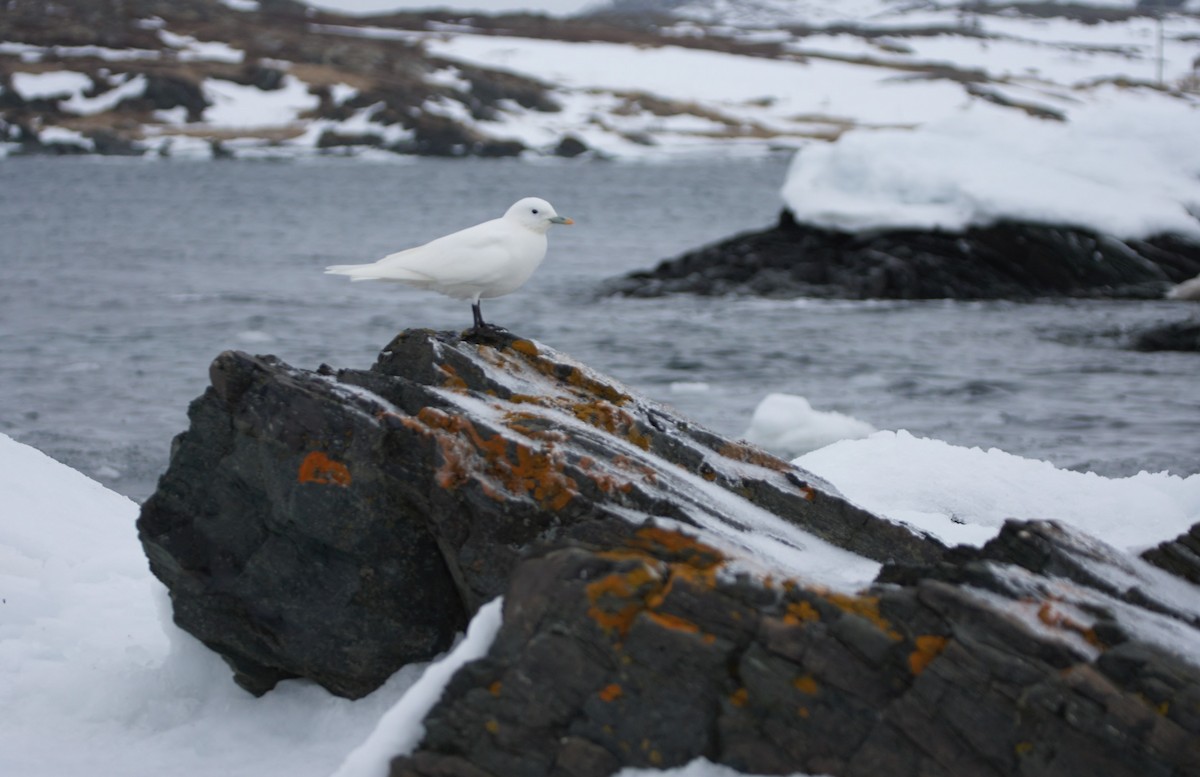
(1176, 336)
(110, 143)
(570, 147)
(164, 92)
(338, 526)
(641, 651)
(1180, 556)
(1007, 260)
(435, 135)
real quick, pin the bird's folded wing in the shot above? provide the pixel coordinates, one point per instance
(475, 254)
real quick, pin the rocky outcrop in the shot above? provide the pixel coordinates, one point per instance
(1020, 658)
(658, 606)
(336, 525)
(1004, 261)
(1175, 336)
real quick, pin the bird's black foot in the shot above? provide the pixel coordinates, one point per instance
(487, 333)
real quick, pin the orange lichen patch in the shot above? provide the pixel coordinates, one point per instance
(673, 622)
(521, 469)
(525, 348)
(690, 549)
(1051, 616)
(492, 726)
(495, 687)
(655, 757)
(617, 598)
(528, 399)
(319, 468)
(751, 455)
(806, 684)
(739, 697)
(647, 472)
(453, 380)
(799, 613)
(929, 647)
(611, 692)
(803, 712)
(865, 607)
(612, 419)
(1023, 747)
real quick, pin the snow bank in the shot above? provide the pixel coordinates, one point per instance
(787, 425)
(963, 495)
(93, 672)
(1128, 167)
(401, 729)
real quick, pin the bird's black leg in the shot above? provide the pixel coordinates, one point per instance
(475, 311)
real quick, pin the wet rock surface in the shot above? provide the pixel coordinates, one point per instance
(1008, 260)
(336, 525)
(1175, 336)
(645, 651)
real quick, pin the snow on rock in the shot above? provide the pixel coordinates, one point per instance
(788, 425)
(964, 495)
(248, 107)
(51, 83)
(1127, 168)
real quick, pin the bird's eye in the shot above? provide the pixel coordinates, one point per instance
(535, 211)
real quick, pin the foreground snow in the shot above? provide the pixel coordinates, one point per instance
(93, 671)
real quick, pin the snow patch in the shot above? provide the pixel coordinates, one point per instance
(789, 426)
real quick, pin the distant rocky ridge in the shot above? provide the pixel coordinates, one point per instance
(244, 77)
(339, 523)
(1007, 260)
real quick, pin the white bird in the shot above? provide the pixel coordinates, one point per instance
(480, 262)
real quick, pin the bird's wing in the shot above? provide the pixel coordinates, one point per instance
(471, 255)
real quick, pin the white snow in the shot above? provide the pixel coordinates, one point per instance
(701, 767)
(92, 671)
(248, 107)
(53, 83)
(1130, 168)
(87, 106)
(963, 495)
(788, 425)
(400, 729)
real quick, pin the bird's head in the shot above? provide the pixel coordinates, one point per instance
(536, 214)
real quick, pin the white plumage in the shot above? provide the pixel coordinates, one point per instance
(480, 262)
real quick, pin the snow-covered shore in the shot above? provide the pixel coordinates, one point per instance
(93, 670)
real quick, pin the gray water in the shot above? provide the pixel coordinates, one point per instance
(122, 279)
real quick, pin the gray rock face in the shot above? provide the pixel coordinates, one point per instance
(1003, 261)
(336, 526)
(1023, 658)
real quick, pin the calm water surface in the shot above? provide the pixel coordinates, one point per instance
(122, 279)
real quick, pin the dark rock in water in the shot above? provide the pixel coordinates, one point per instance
(336, 526)
(1005, 261)
(570, 147)
(641, 650)
(1176, 336)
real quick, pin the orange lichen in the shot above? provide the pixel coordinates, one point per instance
(1023, 747)
(612, 419)
(803, 712)
(521, 469)
(495, 687)
(751, 455)
(617, 598)
(525, 348)
(929, 647)
(611, 692)
(673, 622)
(799, 613)
(1050, 616)
(319, 468)
(864, 607)
(654, 538)
(806, 684)
(739, 697)
(492, 726)
(453, 380)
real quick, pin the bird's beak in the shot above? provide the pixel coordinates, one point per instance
(561, 220)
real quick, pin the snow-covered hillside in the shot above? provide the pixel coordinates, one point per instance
(708, 76)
